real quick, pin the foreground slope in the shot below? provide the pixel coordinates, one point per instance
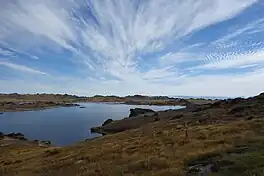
(235, 148)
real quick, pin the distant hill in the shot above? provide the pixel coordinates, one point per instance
(202, 97)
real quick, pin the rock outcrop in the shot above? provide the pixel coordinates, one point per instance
(19, 136)
(139, 111)
(107, 122)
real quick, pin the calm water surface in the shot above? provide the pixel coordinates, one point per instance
(66, 125)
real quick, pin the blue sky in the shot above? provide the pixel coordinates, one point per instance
(153, 47)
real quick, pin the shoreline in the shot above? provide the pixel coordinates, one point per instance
(32, 106)
(19, 138)
(224, 110)
(24, 102)
(44, 106)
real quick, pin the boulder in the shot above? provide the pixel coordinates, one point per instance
(46, 142)
(138, 111)
(107, 122)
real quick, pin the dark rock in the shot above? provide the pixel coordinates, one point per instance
(250, 118)
(11, 103)
(97, 130)
(82, 107)
(156, 119)
(70, 105)
(19, 136)
(236, 101)
(2, 135)
(94, 130)
(1, 113)
(46, 142)
(138, 111)
(107, 122)
(201, 169)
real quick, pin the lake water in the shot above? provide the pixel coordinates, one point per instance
(66, 125)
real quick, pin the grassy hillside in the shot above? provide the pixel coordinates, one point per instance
(221, 139)
(160, 148)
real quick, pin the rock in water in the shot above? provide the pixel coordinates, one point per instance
(139, 111)
(107, 122)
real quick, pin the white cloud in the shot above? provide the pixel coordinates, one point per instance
(36, 19)
(246, 84)
(111, 37)
(235, 60)
(136, 30)
(21, 68)
(248, 29)
(180, 57)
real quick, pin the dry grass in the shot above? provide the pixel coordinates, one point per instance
(159, 148)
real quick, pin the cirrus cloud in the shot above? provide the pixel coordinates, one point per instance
(154, 44)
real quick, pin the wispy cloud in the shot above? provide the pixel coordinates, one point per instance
(124, 43)
(237, 61)
(6, 52)
(21, 68)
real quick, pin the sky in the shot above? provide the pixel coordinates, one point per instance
(121, 47)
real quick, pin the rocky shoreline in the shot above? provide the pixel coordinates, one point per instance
(226, 110)
(134, 113)
(148, 100)
(20, 138)
(33, 105)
